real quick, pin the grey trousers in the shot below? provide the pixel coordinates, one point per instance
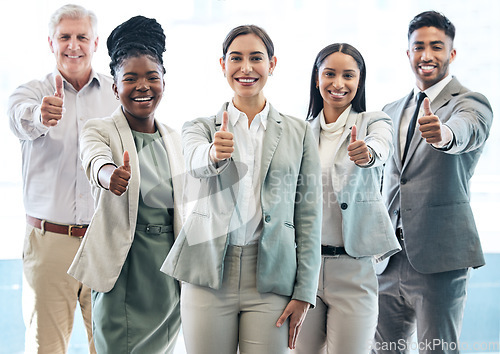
(236, 316)
(345, 315)
(431, 304)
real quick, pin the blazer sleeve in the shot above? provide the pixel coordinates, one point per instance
(307, 220)
(95, 150)
(197, 136)
(470, 121)
(379, 137)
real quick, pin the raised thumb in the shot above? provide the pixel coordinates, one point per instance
(225, 119)
(354, 134)
(427, 107)
(59, 87)
(126, 160)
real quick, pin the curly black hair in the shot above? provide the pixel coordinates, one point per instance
(135, 37)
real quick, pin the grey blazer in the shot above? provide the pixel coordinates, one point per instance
(432, 187)
(366, 227)
(289, 247)
(104, 248)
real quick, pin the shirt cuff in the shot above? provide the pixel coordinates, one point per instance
(37, 121)
(449, 138)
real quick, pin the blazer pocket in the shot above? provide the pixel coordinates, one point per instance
(289, 225)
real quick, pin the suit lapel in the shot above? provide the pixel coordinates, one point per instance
(218, 124)
(173, 146)
(271, 139)
(346, 134)
(396, 116)
(450, 90)
(129, 145)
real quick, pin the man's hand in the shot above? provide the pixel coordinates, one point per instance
(223, 145)
(431, 128)
(52, 106)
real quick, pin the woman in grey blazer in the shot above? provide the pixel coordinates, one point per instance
(353, 146)
(133, 163)
(249, 251)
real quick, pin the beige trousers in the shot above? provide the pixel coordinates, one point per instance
(345, 317)
(236, 316)
(50, 295)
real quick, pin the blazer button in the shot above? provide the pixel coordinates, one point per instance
(403, 180)
(343, 206)
(267, 218)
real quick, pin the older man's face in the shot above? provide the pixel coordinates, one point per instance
(73, 45)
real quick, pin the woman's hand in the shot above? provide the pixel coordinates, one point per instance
(223, 145)
(116, 178)
(358, 150)
(297, 311)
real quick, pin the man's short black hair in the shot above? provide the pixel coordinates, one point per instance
(432, 19)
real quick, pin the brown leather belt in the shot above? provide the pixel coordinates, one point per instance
(70, 230)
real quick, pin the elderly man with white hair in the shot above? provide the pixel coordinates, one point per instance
(47, 116)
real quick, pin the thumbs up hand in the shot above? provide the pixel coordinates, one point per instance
(431, 128)
(223, 145)
(118, 182)
(430, 125)
(52, 108)
(358, 150)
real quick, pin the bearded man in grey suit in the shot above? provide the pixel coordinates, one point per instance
(439, 139)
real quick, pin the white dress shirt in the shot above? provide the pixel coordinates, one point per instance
(55, 187)
(246, 221)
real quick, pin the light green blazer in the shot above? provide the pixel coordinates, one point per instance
(366, 226)
(289, 248)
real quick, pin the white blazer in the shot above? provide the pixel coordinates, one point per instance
(106, 244)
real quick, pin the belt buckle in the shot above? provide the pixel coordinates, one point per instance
(71, 227)
(153, 229)
(400, 234)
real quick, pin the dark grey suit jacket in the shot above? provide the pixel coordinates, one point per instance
(431, 190)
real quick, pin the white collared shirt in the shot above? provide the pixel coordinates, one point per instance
(432, 92)
(55, 187)
(246, 221)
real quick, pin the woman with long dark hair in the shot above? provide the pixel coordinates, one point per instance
(353, 147)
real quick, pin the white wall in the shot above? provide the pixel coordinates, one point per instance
(299, 28)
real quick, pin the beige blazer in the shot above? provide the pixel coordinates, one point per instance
(104, 248)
